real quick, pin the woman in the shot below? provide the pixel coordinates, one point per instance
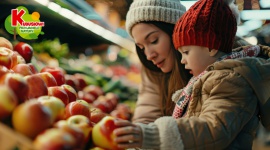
(157, 84)
(158, 16)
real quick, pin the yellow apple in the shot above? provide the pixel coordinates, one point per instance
(8, 101)
(55, 105)
(102, 134)
(31, 117)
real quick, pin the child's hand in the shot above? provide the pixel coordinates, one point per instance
(128, 135)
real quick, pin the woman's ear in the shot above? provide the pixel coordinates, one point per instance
(213, 52)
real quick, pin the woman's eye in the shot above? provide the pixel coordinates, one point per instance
(155, 41)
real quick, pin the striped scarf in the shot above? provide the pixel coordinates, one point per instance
(183, 96)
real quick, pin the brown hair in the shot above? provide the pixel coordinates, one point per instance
(168, 82)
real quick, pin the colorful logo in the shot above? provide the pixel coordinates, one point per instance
(20, 22)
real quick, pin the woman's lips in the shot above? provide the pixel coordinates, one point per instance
(160, 64)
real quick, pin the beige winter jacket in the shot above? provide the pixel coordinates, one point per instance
(148, 104)
(224, 113)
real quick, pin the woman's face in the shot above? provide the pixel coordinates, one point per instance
(156, 45)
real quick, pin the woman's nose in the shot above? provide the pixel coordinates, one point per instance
(151, 55)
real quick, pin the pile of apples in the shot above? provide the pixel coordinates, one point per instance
(54, 109)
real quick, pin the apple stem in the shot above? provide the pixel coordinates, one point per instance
(93, 110)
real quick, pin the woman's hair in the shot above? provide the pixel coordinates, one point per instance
(168, 82)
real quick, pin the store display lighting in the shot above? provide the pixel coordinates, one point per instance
(87, 24)
(242, 31)
(43, 2)
(264, 3)
(188, 4)
(66, 13)
(255, 14)
(53, 6)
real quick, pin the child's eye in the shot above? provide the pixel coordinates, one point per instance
(185, 52)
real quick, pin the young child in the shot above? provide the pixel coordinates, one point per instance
(222, 104)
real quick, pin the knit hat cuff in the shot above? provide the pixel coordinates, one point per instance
(154, 10)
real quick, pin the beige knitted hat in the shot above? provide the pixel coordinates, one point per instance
(168, 11)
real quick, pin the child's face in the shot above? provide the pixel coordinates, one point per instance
(196, 58)
(156, 45)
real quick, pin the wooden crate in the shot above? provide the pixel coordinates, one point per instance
(12, 140)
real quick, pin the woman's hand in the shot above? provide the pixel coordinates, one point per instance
(128, 135)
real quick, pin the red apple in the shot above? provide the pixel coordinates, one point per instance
(8, 101)
(96, 91)
(33, 68)
(83, 123)
(23, 69)
(71, 92)
(6, 57)
(102, 134)
(78, 107)
(57, 72)
(70, 80)
(48, 79)
(56, 106)
(54, 139)
(102, 105)
(37, 87)
(4, 70)
(17, 59)
(31, 117)
(120, 114)
(25, 50)
(109, 104)
(97, 115)
(59, 92)
(18, 84)
(76, 132)
(113, 98)
(81, 81)
(89, 98)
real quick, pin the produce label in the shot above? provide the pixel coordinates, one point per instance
(20, 22)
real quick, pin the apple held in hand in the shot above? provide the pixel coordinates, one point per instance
(56, 106)
(8, 101)
(78, 107)
(31, 117)
(102, 134)
(54, 139)
(25, 50)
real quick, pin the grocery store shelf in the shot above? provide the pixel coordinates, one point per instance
(68, 26)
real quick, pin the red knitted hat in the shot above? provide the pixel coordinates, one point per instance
(208, 23)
